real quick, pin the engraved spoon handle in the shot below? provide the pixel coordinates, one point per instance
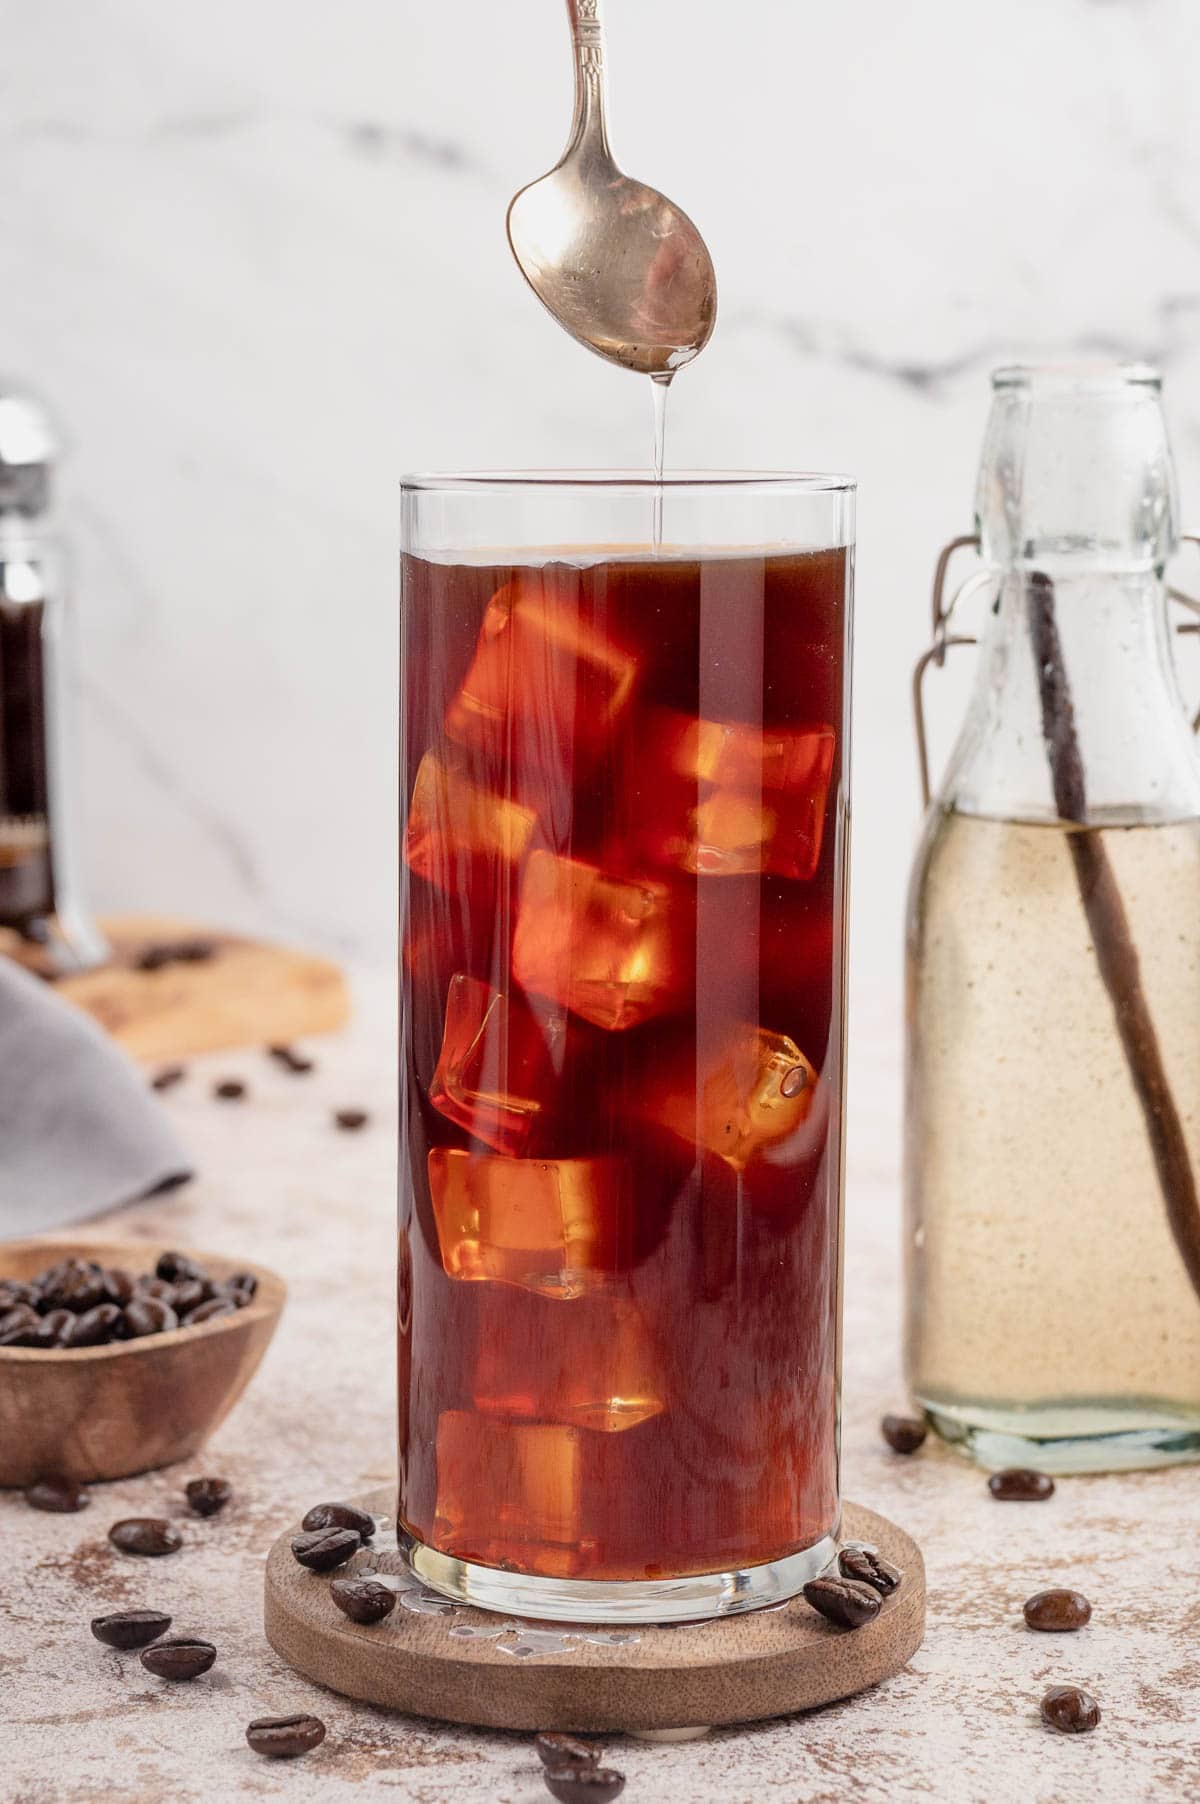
(587, 37)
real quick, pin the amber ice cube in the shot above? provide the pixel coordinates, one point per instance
(452, 821)
(753, 1092)
(590, 1362)
(504, 1485)
(733, 799)
(496, 1070)
(550, 1225)
(545, 686)
(607, 947)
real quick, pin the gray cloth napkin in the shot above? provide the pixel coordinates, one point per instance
(79, 1130)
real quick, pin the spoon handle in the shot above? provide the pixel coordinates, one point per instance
(587, 36)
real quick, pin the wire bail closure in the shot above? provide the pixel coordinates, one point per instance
(944, 640)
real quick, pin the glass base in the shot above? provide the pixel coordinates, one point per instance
(1097, 1439)
(698, 1598)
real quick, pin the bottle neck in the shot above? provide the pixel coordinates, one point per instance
(1115, 675)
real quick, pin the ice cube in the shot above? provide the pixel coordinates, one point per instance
(497, 1063)
(591, 1363)
(452, 821)
(505, 1484)
(731, 798)
(608, 947)
(545, 686)
(551, 1225)
(755, 1090)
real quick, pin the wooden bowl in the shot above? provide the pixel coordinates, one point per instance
(108, 1412)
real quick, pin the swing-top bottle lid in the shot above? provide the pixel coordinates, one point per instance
(28, 451)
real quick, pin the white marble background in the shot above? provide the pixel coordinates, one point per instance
(252, 251)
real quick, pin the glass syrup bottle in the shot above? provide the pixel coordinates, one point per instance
(1052, 1159)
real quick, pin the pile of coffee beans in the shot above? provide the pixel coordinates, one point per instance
(572, 1770)
(79, 1303)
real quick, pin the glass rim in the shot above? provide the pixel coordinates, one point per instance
(763, 481)
(1083, 373)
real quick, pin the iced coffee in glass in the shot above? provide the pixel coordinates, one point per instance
(624, 779)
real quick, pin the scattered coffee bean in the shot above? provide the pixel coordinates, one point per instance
(62, 1495)
(53, 1328)
(130, 1629)
(94, 1327)
(583, 1784)
(290, 1059)
(149, 1315)
(860, 1563)
(1057, 1612)
(168, 1077)
(149, 1535)
(326, 1548)
(848, 1602)
(363, 1600)
(230, 1089)
(208, 1495)
(339, 1515)
(182, 1657)
(350, 1120)
(903, 1434)
(1070, 1710)
(555, 1749)
(283, 1737)
(1020, 1485)
(208, 1312)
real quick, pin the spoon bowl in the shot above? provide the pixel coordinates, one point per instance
(619, 266)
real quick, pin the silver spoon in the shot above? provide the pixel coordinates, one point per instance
(616, 263)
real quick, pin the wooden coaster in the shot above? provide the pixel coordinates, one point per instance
(471, 1666)
(244, 993)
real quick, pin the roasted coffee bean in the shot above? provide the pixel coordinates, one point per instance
(583, 1784)
(239, 1298)
(95, 1327)
(555, 1749)
(53, 1329)
(363, 1600)
(290, 1059)
(14, 1291)
(130, 1629)
(350, 1120)
(339, 1515)
(860, 1563)
(326, 1548)
(168, 1077)
(148, 1315)
(848, 1602)
(62, 1495)
(230, 1089)
(175, 952)
(182, 1657)
(118, 1284)
(149, 1535)
(177, 1268)
(244, 1281)
(79, 1289)
(19, 1326)
(283, 1737)
(1070, 1710)
(195, 952)
(903, 1434)
(208, 1312)
(208, 1495)
(1057, 1612)
(1020, 1485)
(156, 1287)
(189, 1294)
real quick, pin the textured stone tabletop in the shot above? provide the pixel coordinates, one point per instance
(279, 1184)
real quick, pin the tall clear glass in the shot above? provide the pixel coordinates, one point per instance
(1053, 1136)
(623, 888)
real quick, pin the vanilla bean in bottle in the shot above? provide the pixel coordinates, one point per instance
(39, 897)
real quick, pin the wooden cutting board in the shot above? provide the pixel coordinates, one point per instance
(241, 992)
